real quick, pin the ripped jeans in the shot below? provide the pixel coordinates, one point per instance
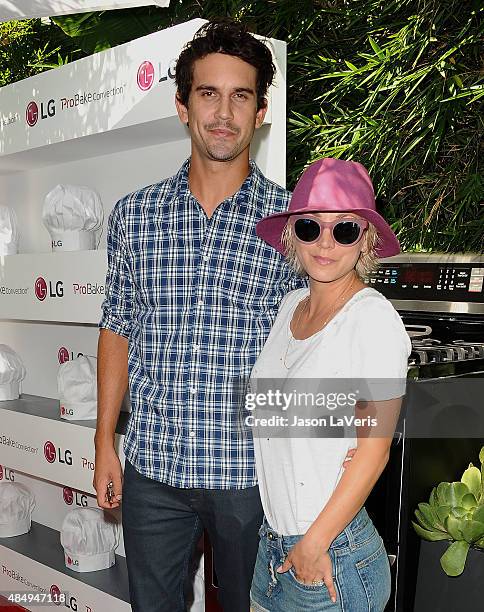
(361, 573)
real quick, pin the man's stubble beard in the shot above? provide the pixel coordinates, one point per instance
(224, 156)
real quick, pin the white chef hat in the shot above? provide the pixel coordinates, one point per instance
(12, 371)
(8, 231)
(16, 506)
(77, 386)
(73, 215)
(89, 537)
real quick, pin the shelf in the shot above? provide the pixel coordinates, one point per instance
(128, 85)
(38, 558)
(118, 99)
(64, 286)
(35, 440)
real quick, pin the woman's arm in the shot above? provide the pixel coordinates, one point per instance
(362, 473)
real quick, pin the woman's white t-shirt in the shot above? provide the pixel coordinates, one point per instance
(365, 340)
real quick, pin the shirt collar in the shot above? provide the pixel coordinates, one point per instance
(243, 195)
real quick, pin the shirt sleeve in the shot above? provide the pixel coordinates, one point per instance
(117, 307)
(380, 350)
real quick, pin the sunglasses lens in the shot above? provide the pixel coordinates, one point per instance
(346, 232)
(307, 230)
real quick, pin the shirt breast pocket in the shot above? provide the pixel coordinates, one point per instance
(160, 260)
(249, 279)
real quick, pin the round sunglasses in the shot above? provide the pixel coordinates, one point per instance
(346, 232)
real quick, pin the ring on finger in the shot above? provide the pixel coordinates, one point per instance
(318, 582)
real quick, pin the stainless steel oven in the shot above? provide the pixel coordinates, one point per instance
(440, 299)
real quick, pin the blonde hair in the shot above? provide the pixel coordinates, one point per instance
(367, 262)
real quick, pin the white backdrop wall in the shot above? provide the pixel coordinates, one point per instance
(126, 141)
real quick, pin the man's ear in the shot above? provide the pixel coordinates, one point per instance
(261, 113)
(181, 109)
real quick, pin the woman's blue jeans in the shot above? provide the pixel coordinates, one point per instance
(361, 573)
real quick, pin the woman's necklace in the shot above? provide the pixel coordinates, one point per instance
(326, 321)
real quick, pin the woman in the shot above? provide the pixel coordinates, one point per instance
(319, 549)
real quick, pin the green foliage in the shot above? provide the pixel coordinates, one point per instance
(455, 512)
(30, 46)
(395, 84)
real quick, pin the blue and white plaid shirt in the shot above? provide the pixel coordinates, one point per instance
(196, 297)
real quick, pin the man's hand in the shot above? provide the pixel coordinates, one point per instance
(311, 564)
(107, 469)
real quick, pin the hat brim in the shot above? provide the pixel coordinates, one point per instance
(270, 229)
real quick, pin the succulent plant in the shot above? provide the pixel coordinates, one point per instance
(455, 512)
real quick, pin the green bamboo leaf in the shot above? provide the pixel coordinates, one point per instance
(351, 66)
(458, 81)
(376, 48)
(454, 558)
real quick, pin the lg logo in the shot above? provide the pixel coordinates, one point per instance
(53, 290)
(58, 597)
(40, 288)
(32, 111)
(74, 497)
(51, 453)
(145, 76)
(66, 411)
(6, 474)
(64, 355)
(71, 561)
(55, 594)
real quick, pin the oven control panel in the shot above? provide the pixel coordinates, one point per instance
(456, 282)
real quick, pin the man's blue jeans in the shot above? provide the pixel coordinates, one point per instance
(162, 525)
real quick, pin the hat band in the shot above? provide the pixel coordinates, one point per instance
(9, 391)
(73, 240)
(15, 528)
(78, 411)
(89, 563)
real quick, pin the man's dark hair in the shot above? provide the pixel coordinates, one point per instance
(231, 38)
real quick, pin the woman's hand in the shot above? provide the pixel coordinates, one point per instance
(311, 564)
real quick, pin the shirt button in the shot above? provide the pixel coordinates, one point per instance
(193, 390)
(192, 434)
(196, 348)
(200, 302)
(205, 258)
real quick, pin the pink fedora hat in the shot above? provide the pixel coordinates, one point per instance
(332, 185)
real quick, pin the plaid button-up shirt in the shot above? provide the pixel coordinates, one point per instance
(196, 298)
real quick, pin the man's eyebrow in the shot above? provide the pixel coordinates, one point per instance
(248, 90)
(204, 87)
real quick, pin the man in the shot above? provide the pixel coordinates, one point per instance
(191, 294)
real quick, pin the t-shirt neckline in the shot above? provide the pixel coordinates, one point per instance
(335, 318)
